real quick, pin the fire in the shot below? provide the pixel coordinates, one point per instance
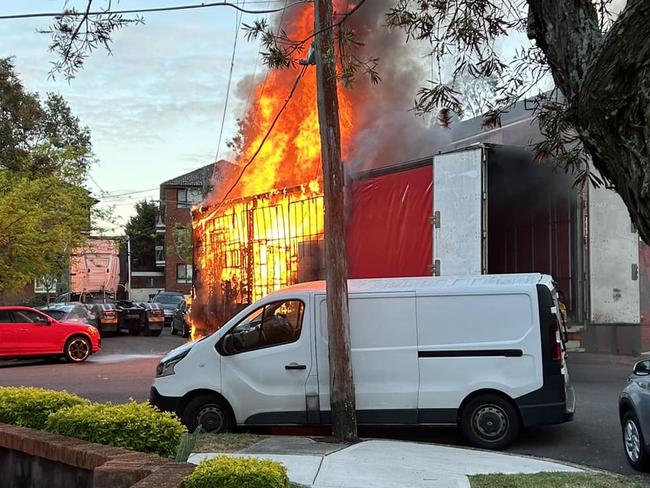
(269, 233)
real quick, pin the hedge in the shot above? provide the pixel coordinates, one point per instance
(238, 472)
(136, 426)
(30, 407)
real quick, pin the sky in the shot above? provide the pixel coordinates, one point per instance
(155, 106)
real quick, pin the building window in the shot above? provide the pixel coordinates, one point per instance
(186, 197)
(160, 255)
(183, 273)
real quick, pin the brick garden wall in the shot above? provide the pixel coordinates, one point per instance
(34, 459)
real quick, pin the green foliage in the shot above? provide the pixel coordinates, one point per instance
(141, 228)
(183, 242)
(41, 221)
(136, 426)
(225, 472)
(30, 407)
(40, 138)
(44, 158)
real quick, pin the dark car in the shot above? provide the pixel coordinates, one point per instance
(105, 317)
(27, 332)
(169, 301)
(131, 317)
(154, 319)
(180, 324)
(634, 412)
(70, 312)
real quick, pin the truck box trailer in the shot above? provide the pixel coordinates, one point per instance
(494, 209)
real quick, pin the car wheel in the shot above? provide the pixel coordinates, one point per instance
(77, 349)
(209, 413)
(633, 443)
(490, 422)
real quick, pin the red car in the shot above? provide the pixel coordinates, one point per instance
(25, 332)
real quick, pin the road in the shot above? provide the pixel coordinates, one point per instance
(126, 365)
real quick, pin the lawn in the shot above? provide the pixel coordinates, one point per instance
(551, 480)
(225, 443)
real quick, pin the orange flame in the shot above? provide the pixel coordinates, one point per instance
(251, 246)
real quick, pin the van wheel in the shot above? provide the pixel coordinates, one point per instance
(210, 413)
(634, 444)
(490, 422)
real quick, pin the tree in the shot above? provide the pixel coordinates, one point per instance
(40, 138)
(44, 157)
(597, 61)
(141, 229)
(182, 235)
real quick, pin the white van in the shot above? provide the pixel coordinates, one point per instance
(482, 352)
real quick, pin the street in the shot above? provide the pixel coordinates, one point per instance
(125, 367)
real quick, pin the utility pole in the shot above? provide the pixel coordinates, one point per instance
(342, 401)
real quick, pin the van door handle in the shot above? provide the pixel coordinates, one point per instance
(295, 366)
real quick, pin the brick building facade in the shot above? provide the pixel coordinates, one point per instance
(177, 196)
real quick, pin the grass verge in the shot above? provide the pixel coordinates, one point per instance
(225, 443)
(551, 480)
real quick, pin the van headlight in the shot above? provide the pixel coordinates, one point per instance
(166, 366)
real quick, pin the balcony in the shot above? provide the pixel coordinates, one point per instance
(160, 225)
(160, 256)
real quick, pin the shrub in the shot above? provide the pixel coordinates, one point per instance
(227, 472)
(136, 426)
(30, 407)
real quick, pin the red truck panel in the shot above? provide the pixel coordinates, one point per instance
(389, 233)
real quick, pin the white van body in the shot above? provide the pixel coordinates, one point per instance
(422, 350)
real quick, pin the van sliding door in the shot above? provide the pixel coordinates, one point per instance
(459, 215)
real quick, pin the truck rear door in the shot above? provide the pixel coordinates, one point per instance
(459, 213)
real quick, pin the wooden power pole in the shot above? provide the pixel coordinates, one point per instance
(344, 418)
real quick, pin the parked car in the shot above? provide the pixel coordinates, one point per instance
(169, 301)
(105, 317)
(484, 353)
(154, 319)
(131, 317)
(70, 312)
(634, 413)
(180, 324)
(27, 332)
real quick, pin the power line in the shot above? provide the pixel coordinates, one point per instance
(109, 196)
(238, 18)
(70, 13)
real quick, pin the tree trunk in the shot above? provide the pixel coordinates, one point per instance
(606, 79)
(342, 400)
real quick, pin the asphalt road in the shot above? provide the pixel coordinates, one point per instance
(126, 365)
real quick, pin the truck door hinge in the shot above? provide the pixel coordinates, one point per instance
(435, 268)
(435, 219)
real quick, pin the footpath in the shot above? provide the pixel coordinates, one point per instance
(385, 463)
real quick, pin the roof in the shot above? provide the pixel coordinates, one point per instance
(201, 176)
(425, 282)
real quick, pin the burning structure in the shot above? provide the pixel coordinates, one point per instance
(264, 229)
(516, 215)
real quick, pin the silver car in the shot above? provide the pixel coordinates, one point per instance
(634, 411)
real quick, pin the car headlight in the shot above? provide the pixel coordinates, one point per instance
(166, 366)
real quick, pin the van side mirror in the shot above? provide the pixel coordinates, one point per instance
(642, 368)
(227, 346)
